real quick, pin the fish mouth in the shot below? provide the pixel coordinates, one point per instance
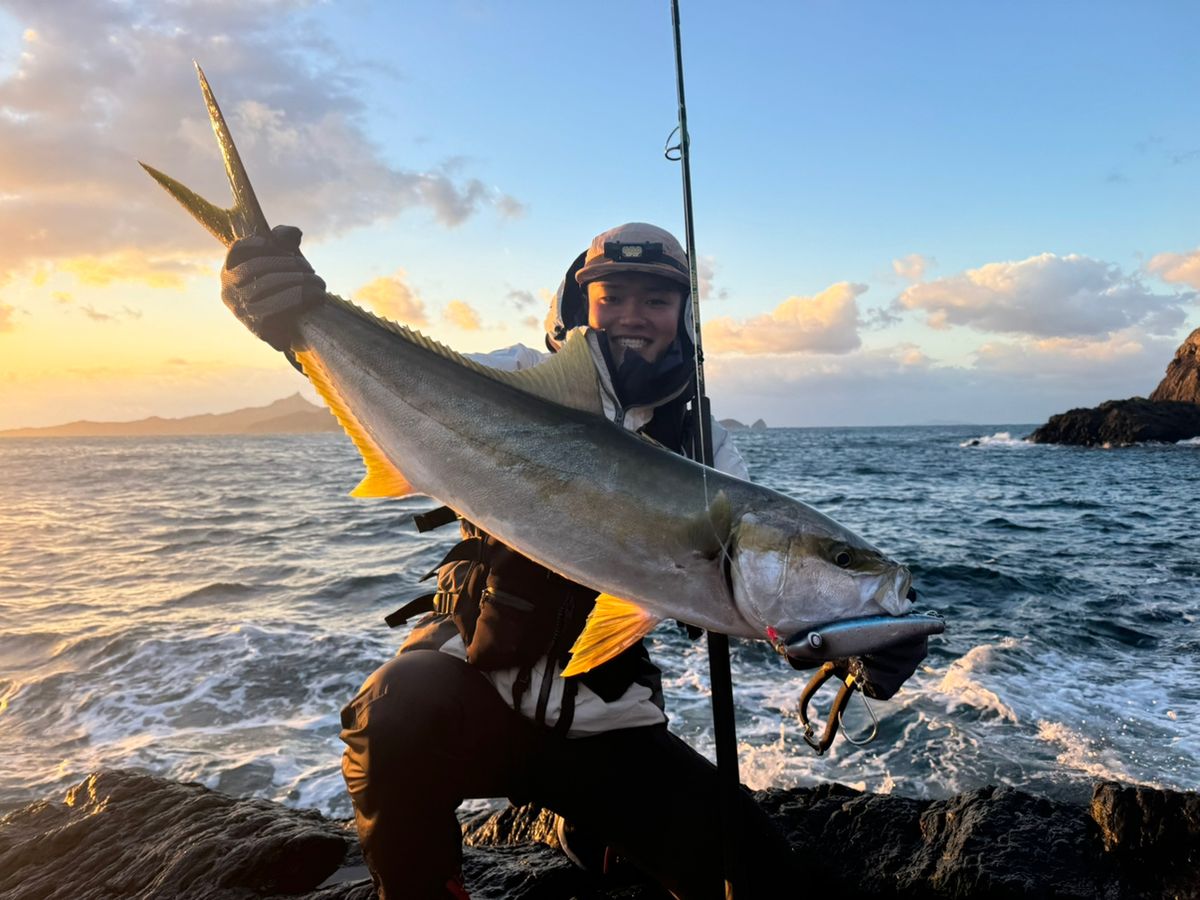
(895, 594)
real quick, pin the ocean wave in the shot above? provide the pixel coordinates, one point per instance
(999, 439)
(1189, 442)
(960, 684)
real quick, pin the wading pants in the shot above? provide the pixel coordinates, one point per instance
(428, 731)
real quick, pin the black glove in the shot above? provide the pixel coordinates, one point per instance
(881, 673)
(268, 284)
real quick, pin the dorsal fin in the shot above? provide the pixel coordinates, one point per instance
(567, 378)
(383, 479)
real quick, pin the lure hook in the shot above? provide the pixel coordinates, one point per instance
(842, 699)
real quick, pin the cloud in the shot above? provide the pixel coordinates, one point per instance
(1022, 381)
(1077, 356)
(99, 85)
(461, 315)
(706, 273)
(391, 297)
(1177, 268)
(1045, 296)
(6, 318)
(133, 265)
(824, 323)
(97, 315)
(913, 266)
(522, 299)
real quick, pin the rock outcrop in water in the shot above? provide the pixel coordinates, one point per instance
(122, 834)
(1172, 413)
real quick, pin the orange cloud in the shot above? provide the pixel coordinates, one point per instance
(460, 314)
(1177, 268)
(824, 323)
(6, 317)
(132, 265)
(392, 298)
(912, 267)
(1044, 296)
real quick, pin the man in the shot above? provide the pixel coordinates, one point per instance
(474, 705)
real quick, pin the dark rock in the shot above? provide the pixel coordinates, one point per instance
(126, 835)
(759, 425)
(1144, 830)
(1182, 381)
(732, 425)
(1171, 414)
(1119, 423)
(122, 834)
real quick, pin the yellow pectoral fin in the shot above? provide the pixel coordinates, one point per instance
(383, 479)
(612, 626)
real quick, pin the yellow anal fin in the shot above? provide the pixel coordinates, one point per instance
(383, 479)
(612, 626)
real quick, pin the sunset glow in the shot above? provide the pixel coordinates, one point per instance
(875, 231)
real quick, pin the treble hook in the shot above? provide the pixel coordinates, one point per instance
(840, 702)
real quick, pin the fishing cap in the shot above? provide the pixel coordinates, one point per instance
(635, 247)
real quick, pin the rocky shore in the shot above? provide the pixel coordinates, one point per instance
(1170, 414)
(123, 834)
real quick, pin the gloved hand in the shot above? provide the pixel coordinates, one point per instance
(881, 673)
(268, 284)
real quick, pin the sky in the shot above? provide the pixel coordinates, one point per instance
(910, 213)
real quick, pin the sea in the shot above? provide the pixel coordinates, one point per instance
(200, 608)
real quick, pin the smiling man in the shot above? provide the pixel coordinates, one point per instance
(475, 705)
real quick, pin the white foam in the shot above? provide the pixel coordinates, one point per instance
(1189, 442)
(999, 439)
(1084, 756)
(959, 684)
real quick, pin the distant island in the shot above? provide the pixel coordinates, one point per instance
(1170, 414)
(735, 425)
(291, 415)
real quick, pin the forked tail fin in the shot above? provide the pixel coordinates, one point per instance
(242, 219)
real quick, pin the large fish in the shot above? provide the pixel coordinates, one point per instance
(530, 457)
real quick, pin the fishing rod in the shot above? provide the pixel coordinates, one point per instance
(724, 726)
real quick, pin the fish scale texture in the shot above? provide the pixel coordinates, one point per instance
(130, 835)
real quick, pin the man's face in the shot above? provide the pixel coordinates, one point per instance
(639, 312)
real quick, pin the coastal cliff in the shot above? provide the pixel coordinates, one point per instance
(130, 835)
(1170, 414)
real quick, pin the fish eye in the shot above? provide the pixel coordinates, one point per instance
(842, 559)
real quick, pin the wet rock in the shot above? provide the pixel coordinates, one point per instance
(1182, 381)
(127, 835)
(1152, 837)
(1120, 423)
(122, 834)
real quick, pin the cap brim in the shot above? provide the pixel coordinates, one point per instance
(601, 268)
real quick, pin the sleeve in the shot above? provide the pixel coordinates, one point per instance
(726, 457)
(510, 359)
